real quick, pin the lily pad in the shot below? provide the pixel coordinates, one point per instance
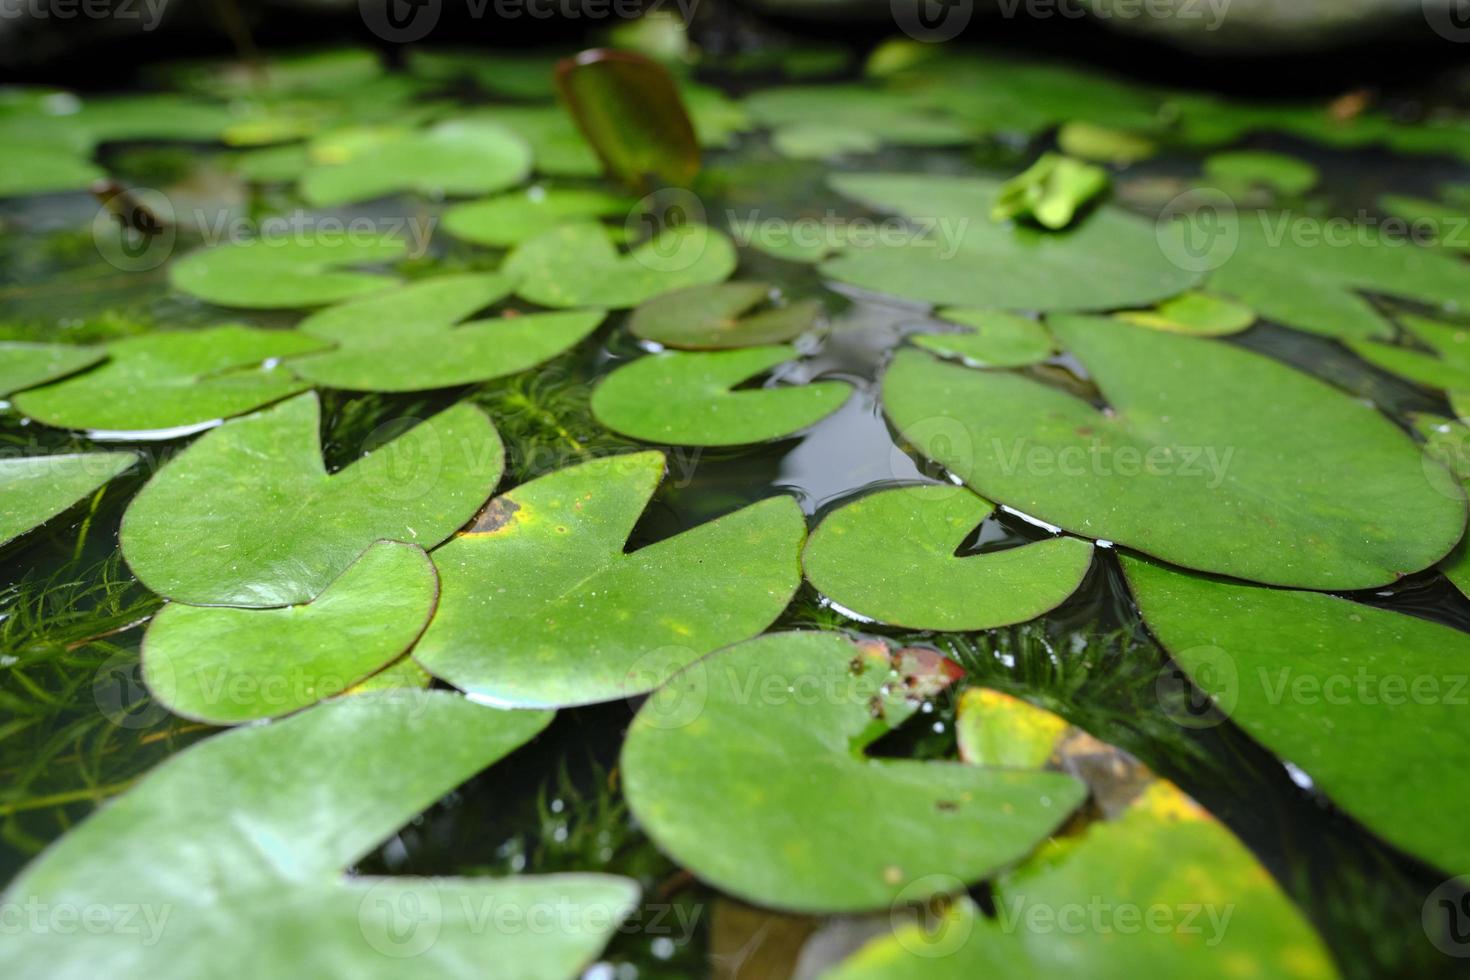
(37, 488)
(1158, 887)
(1445, 365)
(274, 528)
(578, 265)
(1309, 274)
(718, 762)
(995, 339)
(225, 666)
(170, 380)
(208, 862)
(557, 148)
(1241, 171)
(821, 141)
(1050, 191)
(286, 272)
(719, 317)
(45, 167)
(1365, 701)
(879, 115)
(1203, 458)
(682, 398)
(512, 218)
(411, 339)
(24, 365)
(596, 623)
(1102, 144)
(1198, 313)
(453, 158)
(957, 256)
(892, 557)
(1445, 225)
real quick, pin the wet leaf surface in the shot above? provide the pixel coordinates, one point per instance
(994, 339)
(287, 272)
(281, 531)
(25, 365)
(35, 489)
(720, 317)
(512, 218)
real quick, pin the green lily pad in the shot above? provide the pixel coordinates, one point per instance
(1445, 365)
(1158, 887)
(1101, 144)
(1194, 312)
(513, 74)
(44, 167)
(578, 265)
(683, 398)
(891, 557)
(1203, 458)
(557, 148)
(24, 365)
(170, 380)
(225, 666)
(1050, 191)
(287, 272)
(596, 623)
(453, 158)
(719, 317)
(411, 339)
(718, 762)
(1365, 701)
(512, 218)
(995, 339)
(881, 116)
(1308, 274)
(272, 164)
(233, 851)
(1241, 171)
(959, 257)
(277, 530)
(37, 488)
(821, 141)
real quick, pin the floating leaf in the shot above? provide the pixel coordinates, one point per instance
(1198, 313)
(1202, 458)
(994, 340)
(1365, 701)
(286, 272)
(512, 218)
(453, 158)
(578, 265)
(631, 113)
(37, 488)
(872, 115)
(1110, 259)
(595, 623)
(1101, 144)
(225, 666)
(514, 74)
(44, 167)
(171, 380)
(680, 398)
(1446, 225)
(719, 317)
(891, 557)
(25, 365)
(411, 339)
(1308, 274)
(748, 768)
(1445, 365)
(995, 729)
(233, 851)
(274, 529)
(1241, 171)
(557, 147)
(822, 141)
(1050, 191)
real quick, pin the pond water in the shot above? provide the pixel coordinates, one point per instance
(79, 727)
